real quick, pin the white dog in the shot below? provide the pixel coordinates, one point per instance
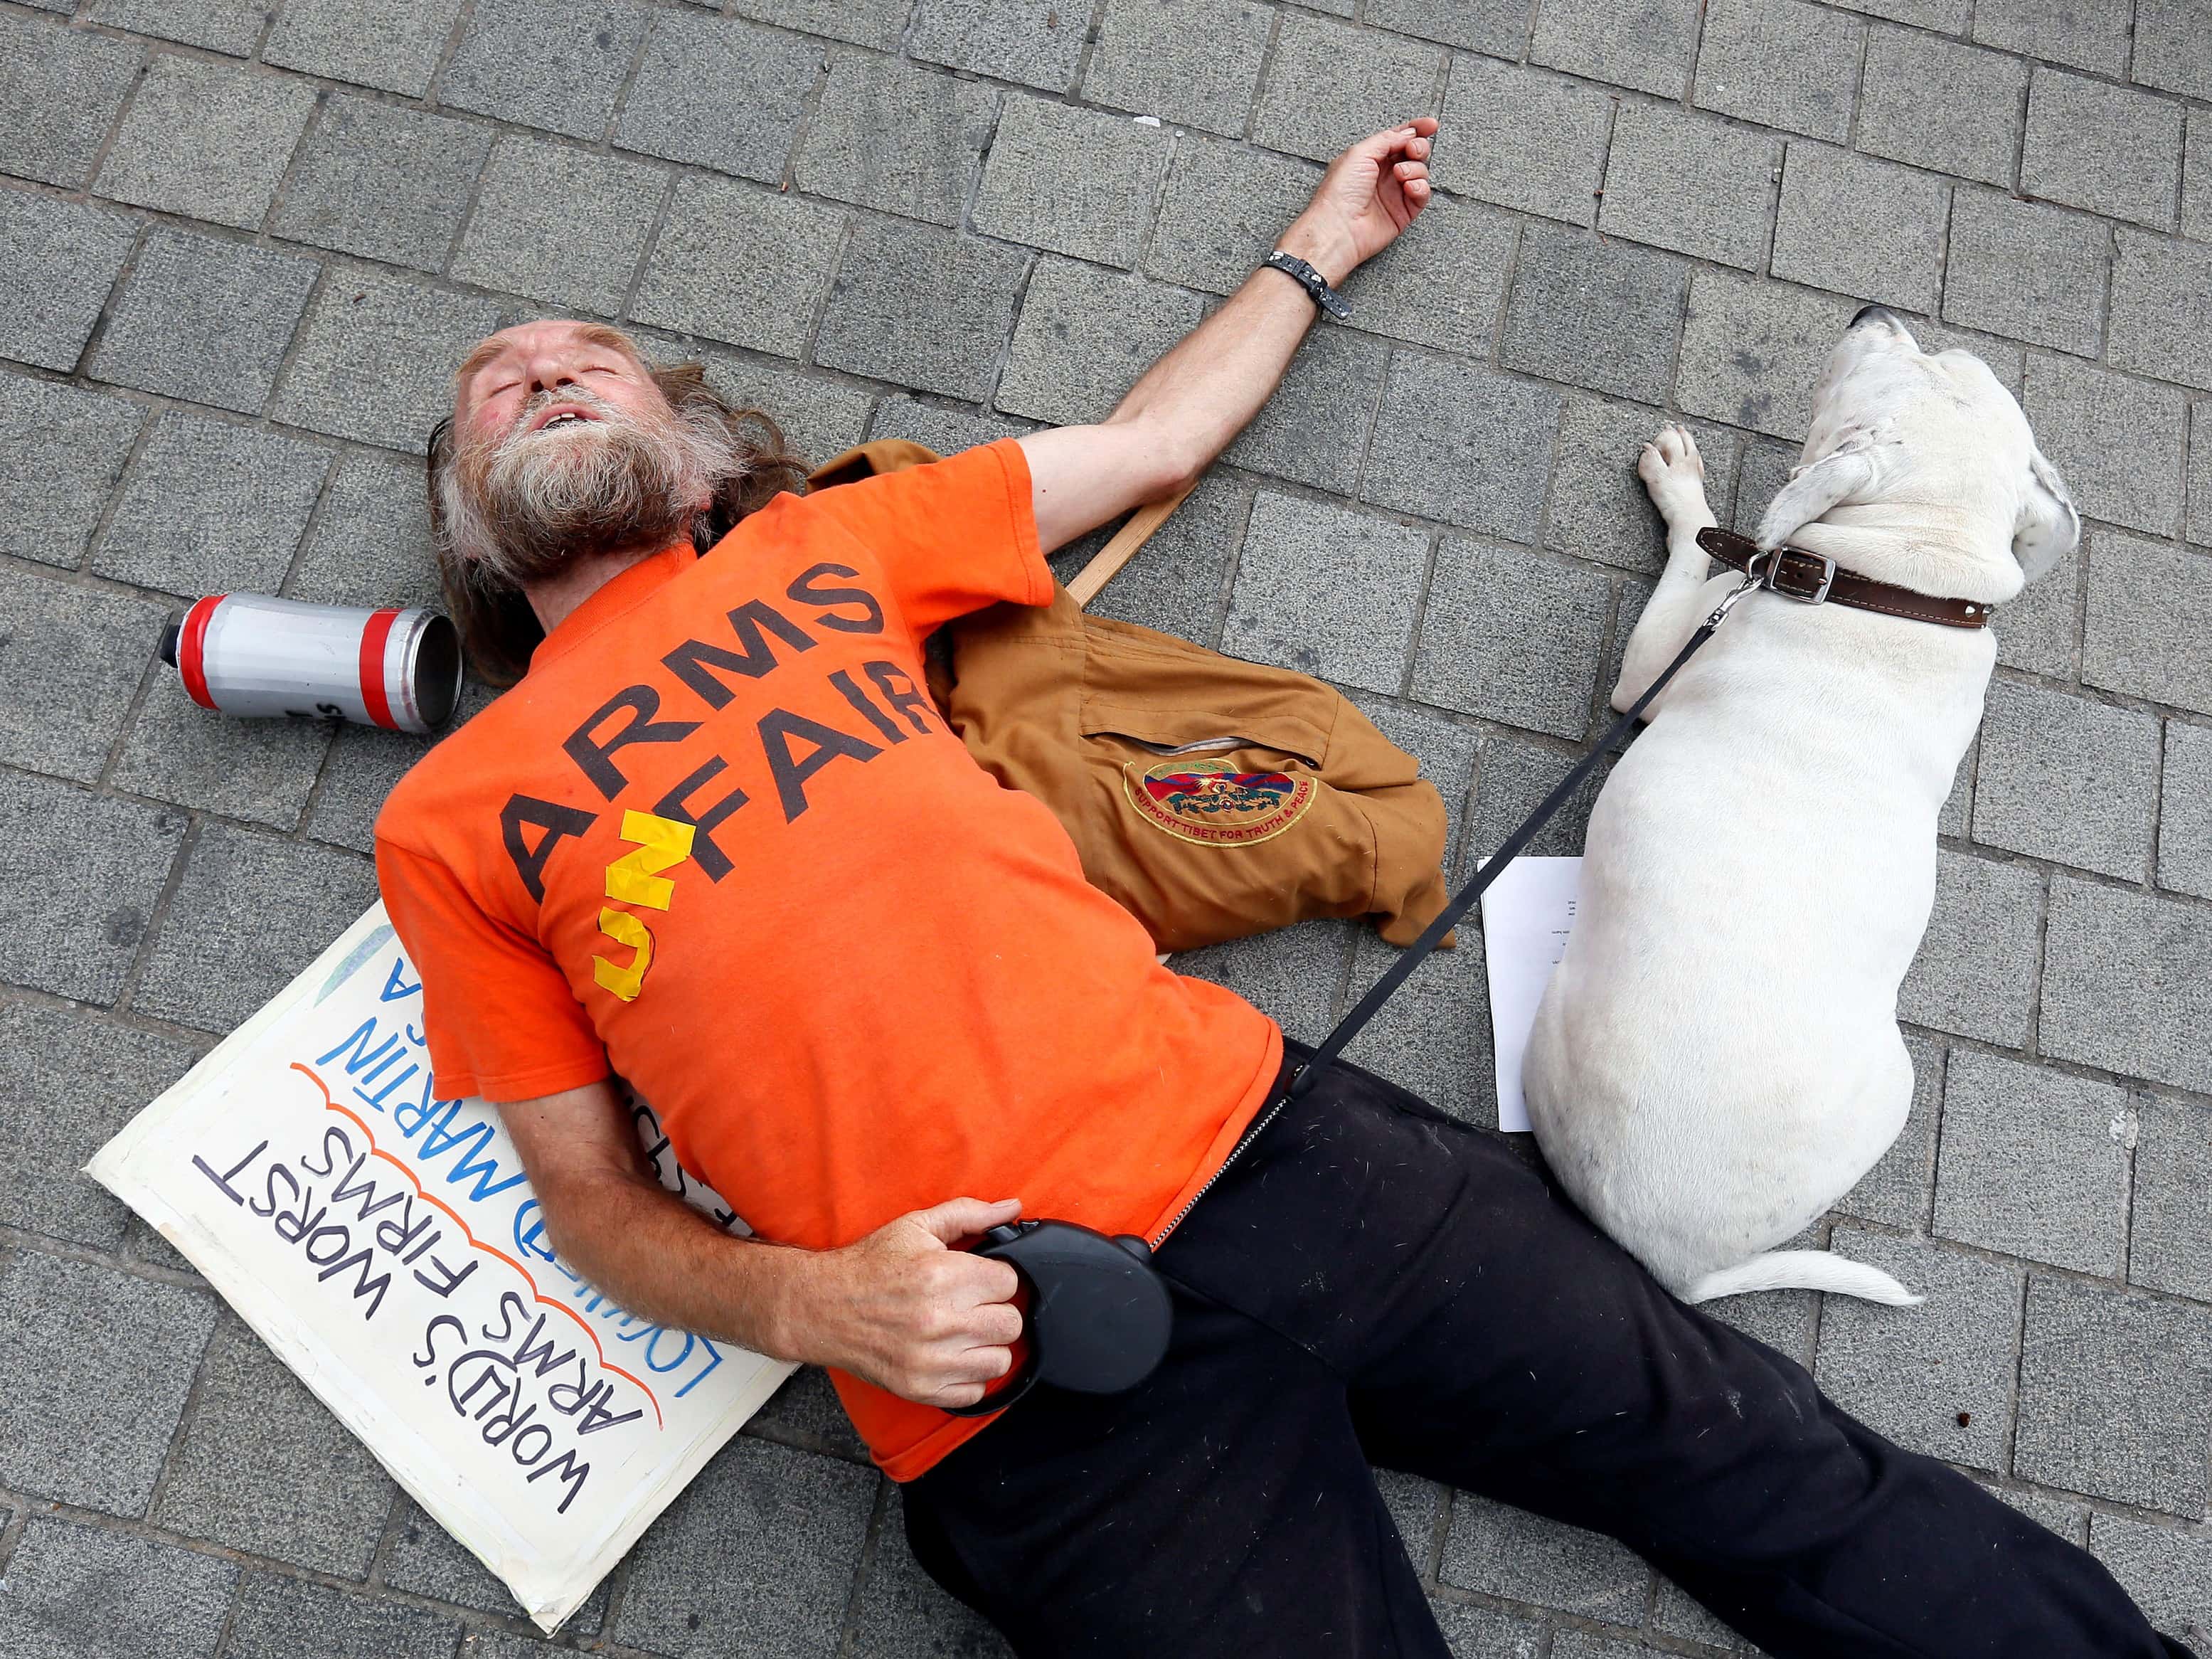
(1717, 1059)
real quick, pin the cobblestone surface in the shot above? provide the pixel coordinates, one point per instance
(243, 242)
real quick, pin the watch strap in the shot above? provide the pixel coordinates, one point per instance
(1315, 285)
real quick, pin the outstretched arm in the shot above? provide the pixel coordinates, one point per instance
(900, 1308)
(1190, 403)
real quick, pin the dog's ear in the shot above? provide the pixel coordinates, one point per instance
(1838, 476)
(2048, 525)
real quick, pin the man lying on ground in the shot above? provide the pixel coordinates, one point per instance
(718, 842)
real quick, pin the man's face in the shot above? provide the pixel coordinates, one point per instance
(521, 379)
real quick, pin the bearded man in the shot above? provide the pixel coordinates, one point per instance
(716, 841)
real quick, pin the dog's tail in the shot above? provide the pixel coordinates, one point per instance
(1803, 1270)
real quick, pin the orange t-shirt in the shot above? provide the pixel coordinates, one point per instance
(718, 841)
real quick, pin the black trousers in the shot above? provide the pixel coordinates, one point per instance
(1373, 1281)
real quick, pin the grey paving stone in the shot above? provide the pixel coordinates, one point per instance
(1084, 336)
(1522, 138)
(2101, 937)
(79, 1592)
(57, 260)
(2167, 1571)
(1860, 227)
(61, 87)
(424, 1560)
(876, 23)
(2034, 1163)
(1500, 28)
(208, 140)
(1599, 508)
(1433, 1036)
(1511, 636)
(383, 182)
(758, 1551)
(1194, 62)
(1176, 583)
(1912, 1372)
(79, 876)
(74, 1079)
(2067, 779)
(259, 769)
(391, 44)
(212, 509)
(311, 1494)
(817, 415)
(2170, 1242)
(281, 1618)
(2133, 168)
(1417, 1507)
(1782, 63)
(2021, 269)
(217, 959)
(947, 431)
(1752, 353)
(1512, 774)
(2162, 309)
(1462, 443)
(225, 26)
(2200, 473)
(2036, 632)
(204, 320)
(924, 306)
(1940, 104)
(1648, 45)
(1895, 1191)
(1677, 1614)
(61, 451)
(804, 1414)
(1474, 1631)
(377, 358)
(1946, 16)
(2117, 441)
(1689, 183)
(2115, 1395)
(1076, 181)
(1315, 427)
(1331, 84)
(1326, 591)
(725, 95)
(2171, 48)
(1572, 1643)
(2149, 604)
(560, 225)
(1501, 1551)
(70, 659)
(1032, 41)
(1973, 973)
(892, 135)
(2197, 178)
(1593, 314)
(544, 62)
(66, 1431)
(2051, 1513)
(1398, 293)
(742, 264)
(900, 1612)
(2089, 37)
(371, 545)
(363, 767)
(2184, 817)
(1222, 208)
(1293, 975)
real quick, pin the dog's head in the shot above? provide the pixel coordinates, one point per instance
(1930, 443)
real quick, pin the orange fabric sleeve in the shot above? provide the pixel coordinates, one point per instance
(499, 1018)
(952, 537)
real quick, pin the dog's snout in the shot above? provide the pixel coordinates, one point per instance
(1877, 313)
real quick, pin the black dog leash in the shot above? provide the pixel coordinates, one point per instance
(1099, 1315)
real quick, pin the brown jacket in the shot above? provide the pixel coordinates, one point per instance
(1212, 797)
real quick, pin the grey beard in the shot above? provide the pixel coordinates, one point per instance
(534, 506)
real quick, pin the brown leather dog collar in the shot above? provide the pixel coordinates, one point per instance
(1813, 578)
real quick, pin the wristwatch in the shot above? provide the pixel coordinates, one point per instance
(1315, 285)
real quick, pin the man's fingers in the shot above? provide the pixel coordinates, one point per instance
(1409, 171)
(964, 1217)
(1376, 145)
(997, 1324)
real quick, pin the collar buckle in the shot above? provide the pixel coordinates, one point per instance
(1812, 592)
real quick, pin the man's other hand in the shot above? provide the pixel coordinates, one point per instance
(1370, 193)
(904, 1310)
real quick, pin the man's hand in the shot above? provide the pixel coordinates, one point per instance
(1370, 193)
(906, 1311)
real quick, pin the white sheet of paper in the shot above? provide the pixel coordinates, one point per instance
(387, 1245)
(1526, 917)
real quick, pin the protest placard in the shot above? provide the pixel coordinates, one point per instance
(387, 1245)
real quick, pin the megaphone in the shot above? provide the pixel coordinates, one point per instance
(250, 655)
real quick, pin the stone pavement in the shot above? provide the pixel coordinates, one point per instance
(242, 244)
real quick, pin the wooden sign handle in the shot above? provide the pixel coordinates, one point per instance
(1123, 548)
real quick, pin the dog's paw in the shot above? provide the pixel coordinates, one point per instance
(1673, 472)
